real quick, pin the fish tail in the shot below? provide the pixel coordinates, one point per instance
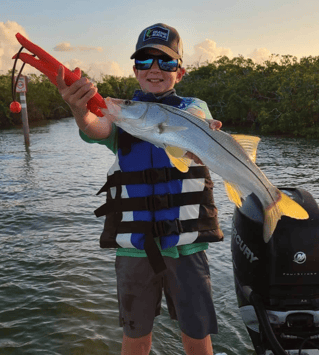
(284, 206)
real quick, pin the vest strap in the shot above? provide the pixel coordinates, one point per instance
(154, 255)
(154, 202)
(160, 229)
(152, 176)
(168, 227)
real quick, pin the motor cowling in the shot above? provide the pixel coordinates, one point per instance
(284, 272)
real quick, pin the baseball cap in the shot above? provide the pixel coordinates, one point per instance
(161, 37)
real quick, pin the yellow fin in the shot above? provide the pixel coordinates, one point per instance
(249, 143)
(285, 206)
(175, 151)
(291, 208)
(182, 164)
(234, 194)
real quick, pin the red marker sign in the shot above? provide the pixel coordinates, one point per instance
(22, 84)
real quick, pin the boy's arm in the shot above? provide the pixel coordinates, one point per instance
(77, 96)
(200, 109)
(213, 124)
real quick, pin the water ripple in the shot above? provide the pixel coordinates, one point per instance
(57, 287)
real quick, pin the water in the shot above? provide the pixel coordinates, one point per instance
(57, 287)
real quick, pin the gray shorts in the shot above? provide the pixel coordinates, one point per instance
(187, 288)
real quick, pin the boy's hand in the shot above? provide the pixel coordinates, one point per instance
(213, 124)
(77, 95)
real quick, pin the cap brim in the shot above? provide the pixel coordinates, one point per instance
(160, 47)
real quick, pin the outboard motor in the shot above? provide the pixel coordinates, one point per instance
(277, 283)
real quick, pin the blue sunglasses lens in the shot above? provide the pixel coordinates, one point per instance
(144, 64)
(170, 65)
(166, 64)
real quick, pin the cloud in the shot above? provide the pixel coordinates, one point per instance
(206, 51)
(260, 55)
(66, 47)
(97, 69)
(9, 44)
(203, 52)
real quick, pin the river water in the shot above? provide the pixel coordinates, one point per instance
(57, 287)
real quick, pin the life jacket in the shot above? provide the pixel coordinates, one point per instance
(147, 198)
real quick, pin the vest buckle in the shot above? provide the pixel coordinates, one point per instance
(159, 202)
(168, 227)
(154, 176)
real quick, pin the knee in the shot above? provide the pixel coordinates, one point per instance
(136, 346)
(197, 346)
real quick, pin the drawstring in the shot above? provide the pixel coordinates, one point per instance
(15, 106)
(14, 84)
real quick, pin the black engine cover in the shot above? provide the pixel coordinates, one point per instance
(287, 267)
(284, 272)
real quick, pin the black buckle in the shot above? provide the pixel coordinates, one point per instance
(163, 228)
(154, 176)
(158, 202)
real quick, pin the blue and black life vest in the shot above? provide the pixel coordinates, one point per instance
(147, 197)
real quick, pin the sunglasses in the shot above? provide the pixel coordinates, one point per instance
(164, 62)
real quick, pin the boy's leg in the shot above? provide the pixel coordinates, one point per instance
(139, 296)
(136, 346)
(197, 346)
(188, 291)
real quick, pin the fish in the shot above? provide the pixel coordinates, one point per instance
(232, 157)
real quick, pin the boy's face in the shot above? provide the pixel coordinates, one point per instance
(155, 80)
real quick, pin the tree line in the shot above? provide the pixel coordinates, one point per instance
(279, 96)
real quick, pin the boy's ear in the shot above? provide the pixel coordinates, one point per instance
(180, 73)
(135, 70)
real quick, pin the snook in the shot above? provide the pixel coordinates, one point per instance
(230, 156)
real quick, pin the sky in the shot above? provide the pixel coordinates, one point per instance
(100, 36)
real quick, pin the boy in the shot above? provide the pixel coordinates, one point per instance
(176, 261)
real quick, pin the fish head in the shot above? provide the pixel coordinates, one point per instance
(145, 120)
(126, 113)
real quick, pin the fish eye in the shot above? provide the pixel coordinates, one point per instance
(127, 102)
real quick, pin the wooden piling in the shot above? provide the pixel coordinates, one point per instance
(25, 121)
(22, 89)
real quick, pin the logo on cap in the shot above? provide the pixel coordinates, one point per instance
(156, 33)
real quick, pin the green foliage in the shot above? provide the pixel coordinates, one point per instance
(117, 87)
(278, 97)
(43, 101)
(6, 118)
